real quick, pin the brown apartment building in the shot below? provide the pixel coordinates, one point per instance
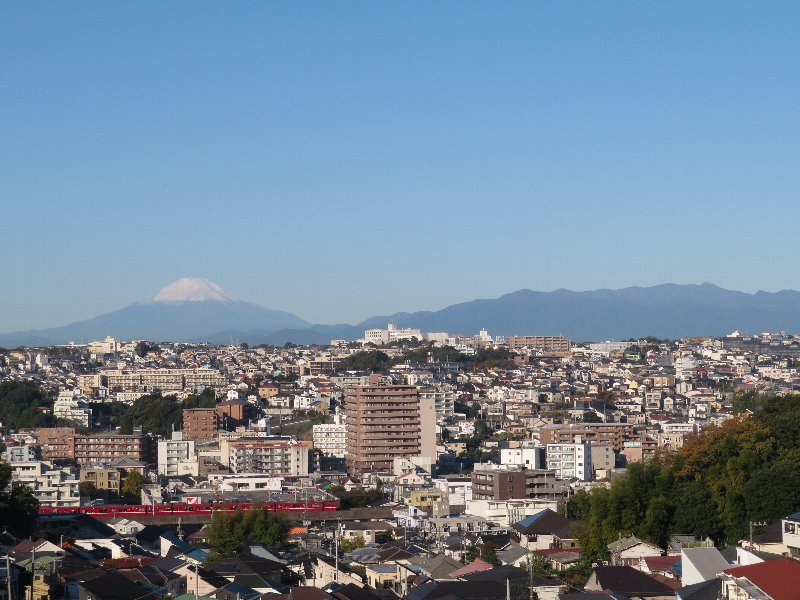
(57, 443)
(201, 423)
(604, 434)
(96, 448)
(383, 423)
(515, 483)
(62, 443)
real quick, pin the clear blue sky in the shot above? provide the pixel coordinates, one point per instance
(346, 159)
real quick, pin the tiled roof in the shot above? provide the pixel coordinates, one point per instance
(779, 577)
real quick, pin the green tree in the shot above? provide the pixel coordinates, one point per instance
(227, 532)
(88, 489)
(20, 403)
(132, 485)
(349, 545)
(18, 505)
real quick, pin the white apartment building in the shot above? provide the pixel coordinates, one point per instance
(106, 346)
(72, 405)
(530, 457)
(444, 401)
(177, 456)
(278, 456)
(571, 460)
(52, 486)
(331, 438)
(241, 482)
(391, 334)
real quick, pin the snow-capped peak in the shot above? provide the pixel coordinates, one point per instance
(193, 289)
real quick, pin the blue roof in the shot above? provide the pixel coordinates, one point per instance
(532, 519)
(794, 517)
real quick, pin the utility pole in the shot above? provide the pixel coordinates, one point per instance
(530, 575)
(196, 581)
(755, 524)
(33, 568)
(8, 577)
(336, 549)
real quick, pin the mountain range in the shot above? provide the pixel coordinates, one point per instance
(195, 309)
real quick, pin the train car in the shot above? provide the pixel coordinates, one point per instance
(182, 508)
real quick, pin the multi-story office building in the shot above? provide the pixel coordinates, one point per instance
(98, 448)
(383, 423)
(173, 453)
(549, 344)
(278, 456)
(571, 460)
(52, 486)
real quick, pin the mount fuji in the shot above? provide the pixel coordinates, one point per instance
(191, 309)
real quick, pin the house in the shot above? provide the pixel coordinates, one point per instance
(114, 586)
(545, 589)
(325, 573)
(701, 564)
(545, 529)
(668, 566)
(629, 582)
(777, 579)
(628, 550)
(705, 590)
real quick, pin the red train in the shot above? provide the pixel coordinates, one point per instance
(120, 510)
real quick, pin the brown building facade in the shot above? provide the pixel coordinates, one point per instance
(608, 434)
(103, 479)
(200, 423)
(516, 483)
(95, 448)
(383, 423)
(57, 443)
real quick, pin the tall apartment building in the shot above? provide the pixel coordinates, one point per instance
(383, 423)
(550, 344)
(173, 453)
(97, 448)
(571, 460)
(201, 423)
(611, 434)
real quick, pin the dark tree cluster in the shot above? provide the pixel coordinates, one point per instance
(743, 470)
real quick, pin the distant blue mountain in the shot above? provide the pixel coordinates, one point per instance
(189, 310)
(666, 311)
(197, 310)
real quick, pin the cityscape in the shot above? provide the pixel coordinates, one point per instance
(355, 300)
